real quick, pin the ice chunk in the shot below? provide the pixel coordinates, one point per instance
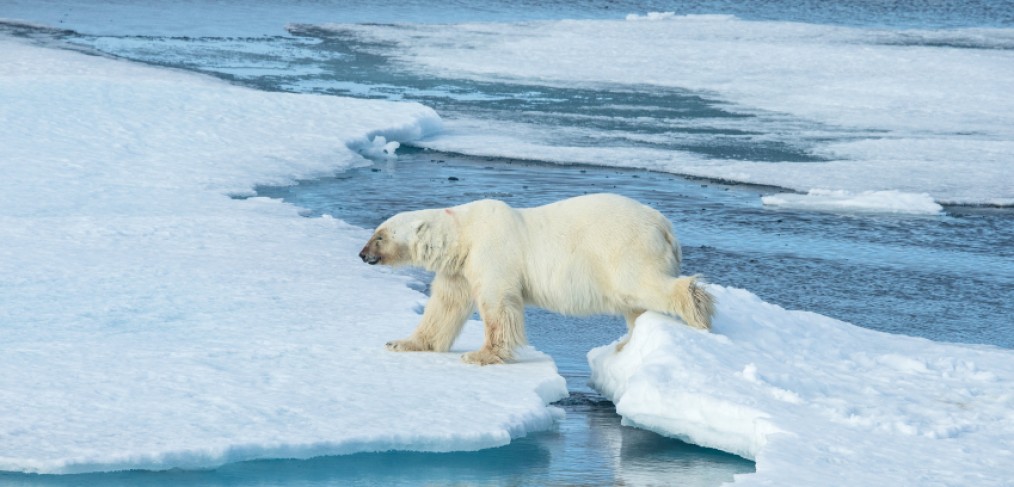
(811, 398)
(866, 201)
(378, 148)
(652, 16)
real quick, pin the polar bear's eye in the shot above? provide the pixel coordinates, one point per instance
(380, 238)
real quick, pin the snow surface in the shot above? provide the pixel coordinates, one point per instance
(148, 320)
(865, 202)
(920, 111)
(813, 399)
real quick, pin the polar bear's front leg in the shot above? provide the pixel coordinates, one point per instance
(504, 318)
(449, 307)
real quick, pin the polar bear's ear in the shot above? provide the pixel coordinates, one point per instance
(420, 226)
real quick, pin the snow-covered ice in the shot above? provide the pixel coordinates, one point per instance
(891, 110)
(148, 320)
(815, 400)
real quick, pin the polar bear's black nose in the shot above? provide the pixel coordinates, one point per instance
(367, 257)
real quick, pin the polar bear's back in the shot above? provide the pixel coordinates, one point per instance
(605, 221)
(584, 253)
(593, 208)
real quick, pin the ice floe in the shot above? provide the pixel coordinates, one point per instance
(817, 401)
(150, 321)
(912, 111)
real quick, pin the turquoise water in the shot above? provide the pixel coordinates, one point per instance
(590, 448)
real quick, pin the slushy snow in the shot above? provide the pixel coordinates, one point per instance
(816, 401)
(890, 110)
(150, 321)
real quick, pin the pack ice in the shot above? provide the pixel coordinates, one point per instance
(150, 321)
(816, 401)
(891, 111)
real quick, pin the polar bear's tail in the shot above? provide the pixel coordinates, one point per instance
(692, 302)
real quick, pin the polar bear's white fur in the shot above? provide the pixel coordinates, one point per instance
(594, 254)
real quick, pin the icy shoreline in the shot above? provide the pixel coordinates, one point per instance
(150, 321)
(810, 398)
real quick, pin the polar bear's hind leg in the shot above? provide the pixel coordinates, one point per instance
(686, 297)
(631, 318)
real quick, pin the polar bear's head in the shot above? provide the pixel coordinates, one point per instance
(424, 238)
(400, 239)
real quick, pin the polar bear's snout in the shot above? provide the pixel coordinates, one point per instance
(368, 257)
(374, 252)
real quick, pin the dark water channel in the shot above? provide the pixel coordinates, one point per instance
(947, 278)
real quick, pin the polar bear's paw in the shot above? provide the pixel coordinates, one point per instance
(408, 346)
(482, 357)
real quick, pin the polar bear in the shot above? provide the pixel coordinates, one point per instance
(593, 254)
